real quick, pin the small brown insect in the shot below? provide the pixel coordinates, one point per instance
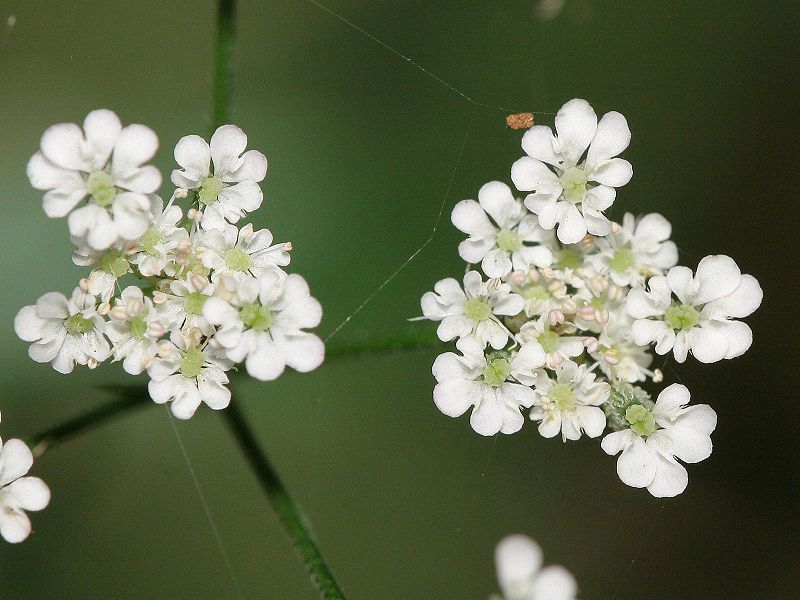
(520, 121)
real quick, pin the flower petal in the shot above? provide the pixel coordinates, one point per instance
(518, 559)
(227, 145)
(612, 137)
(572, 227)
(469, 217)
(62, 144)
(717, 276)
(454, 396)
(135, 145)
(497, 200)
(576, 124)
(539, 143)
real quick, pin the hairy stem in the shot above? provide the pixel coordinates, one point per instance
(293, 521)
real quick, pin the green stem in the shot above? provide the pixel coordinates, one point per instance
(222, 89)
(129, 398)
(293, 521)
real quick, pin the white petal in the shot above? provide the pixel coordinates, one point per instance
(469, 217)
(572, 228)
(28, 325)
(101, 128)
(596, 222)
(496, 199)
(670, 480)
(227, 145)
(29, 493)
(708, 344)
(637, 465)
(303, 351)
(62, 144)
(653, 228)
(670, 400)
(592, 420)
(739, 336)
(253, 168)
(740, 303)
(453, 327)
(717, 276)
(529, 174)
(131, 215)
(518, 559)
(618, 441)
(52, 305)
(266, 363)
(215, 395)
(15, 526)
(94, 223)
(15, 461)
(612, 137)
(682, 283)
(487, 417)
(641, 304)
(615, 172)
(539, 143)
(244, 196)
(193, 154)
(217, 311)
(454, 396)
(136, 145)
(473, 250)
(496, 263)
(555, 583)
(45, 175)
(449, 366)
(576, 124)
(600, 197)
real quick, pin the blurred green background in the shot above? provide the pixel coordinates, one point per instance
(405, 502)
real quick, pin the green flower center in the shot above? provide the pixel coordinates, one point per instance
(496, 372)
(641, 420)
(115, 263)
(508, 240)
(209, 190)
(256, 316)
(622, 260)
(193, 303)
(192, 362)
(137, 326)
(681, 316)
(237, 260)
(477, 309)
(549, 341)
(150, 239)
(77, 324)
(573, 180)
(100, 185)
(535, 292)
(569, 259)
(564, 397)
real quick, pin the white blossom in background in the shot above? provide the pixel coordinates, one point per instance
(572, 176)
(570, 403)
(494, 388)
(64, 331)
(498, 226)
(657, 436)
(155, 248)
(261, 322)
(473, 310)
(18, 493)
(518, 560)
(230, 189)
(684, 312)
(103, 164)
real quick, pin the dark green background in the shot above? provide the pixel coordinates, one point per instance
(405, 502)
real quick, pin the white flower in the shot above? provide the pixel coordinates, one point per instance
(229, 191)
(473, 310)
(261, 322)
(17, 492)
(656, 437)
(102, 162)
(557, 347)
(570, 403)
(187, 375)
(618, 356)
(700, 319)
(182, 306)
(574, 192)
(134, 329)
(520, 574)
(242, 250)
(490, 386)
(64, 331)
(157, 244)
(540, 290)
(499, 245)
(638, 250)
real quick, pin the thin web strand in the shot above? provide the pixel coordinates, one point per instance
(415, 64)
(206, 509)
(424, 244)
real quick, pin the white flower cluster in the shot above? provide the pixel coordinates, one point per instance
(518, 560)
(563, 323)
(181, 296)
